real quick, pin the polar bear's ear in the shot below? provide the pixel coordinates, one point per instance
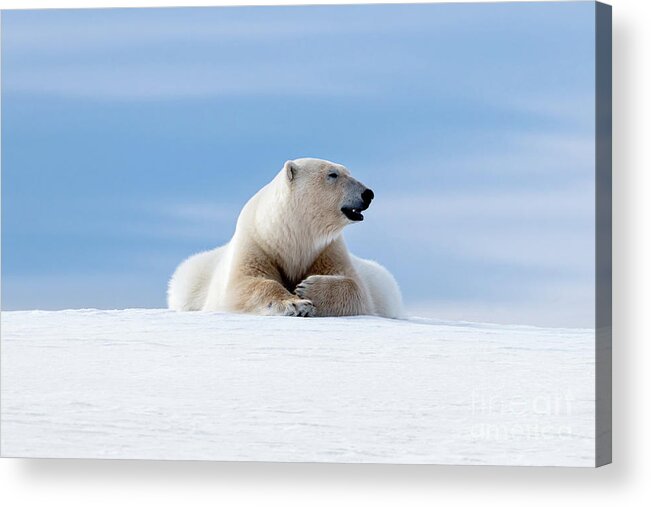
(290, 170)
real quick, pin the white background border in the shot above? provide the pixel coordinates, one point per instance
(626, 482)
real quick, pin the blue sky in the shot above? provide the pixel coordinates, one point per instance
(131, 138)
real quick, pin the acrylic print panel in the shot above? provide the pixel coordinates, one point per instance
(469, 149)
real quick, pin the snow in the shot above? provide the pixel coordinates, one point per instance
(154, 384)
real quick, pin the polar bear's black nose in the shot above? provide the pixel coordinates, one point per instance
(367, 196)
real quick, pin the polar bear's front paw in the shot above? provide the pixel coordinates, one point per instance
(292, 308)
(310, 286)
(321, 290)
(332, 295)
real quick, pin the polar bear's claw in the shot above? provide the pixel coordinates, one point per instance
(303, 287)
(292, 308)
(304, 308)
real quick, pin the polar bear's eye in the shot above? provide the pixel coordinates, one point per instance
(333, 176)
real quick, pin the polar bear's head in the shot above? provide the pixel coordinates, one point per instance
(325, 192)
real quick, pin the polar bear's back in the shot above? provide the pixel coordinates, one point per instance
(189, 286)
(381, 286)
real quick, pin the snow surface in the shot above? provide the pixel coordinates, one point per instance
(162, 385)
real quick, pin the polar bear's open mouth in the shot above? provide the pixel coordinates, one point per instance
(354, 214)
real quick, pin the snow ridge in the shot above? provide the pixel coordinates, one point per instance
(155, 384)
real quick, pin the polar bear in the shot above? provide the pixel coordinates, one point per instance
(288, 256)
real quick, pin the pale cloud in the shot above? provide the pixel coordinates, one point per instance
(574, 109)
(201, 211)
(108, 290)
(154, 81)
(202, 222)
(528, 229)
(516, 156)
(101, 30)
(568, 307)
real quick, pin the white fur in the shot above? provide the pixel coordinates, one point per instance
(201, 281)
(381, 286)
(188, 288)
